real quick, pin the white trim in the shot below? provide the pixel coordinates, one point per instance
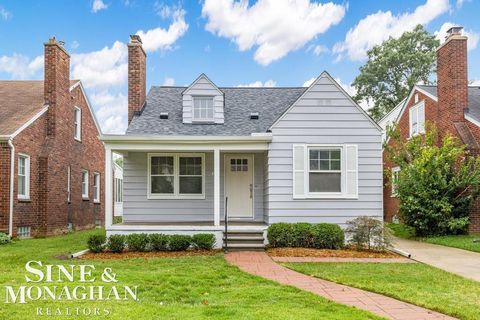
(121, 138)
(29, 122)
(187, 147)
(77, 123)
(393, 192)
(420, 126)
(97, 192)
(342, 172)
(339, 87)
(26, 195)
(216, 187)
(204, 76)
(12, 185)
(108, 188)
(85, 195)
(472, 120)
(92, 113)
(176, 177)
(400, 114)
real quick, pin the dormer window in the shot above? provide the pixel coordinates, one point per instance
(203, 108)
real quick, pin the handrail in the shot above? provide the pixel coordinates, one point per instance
(225, 238)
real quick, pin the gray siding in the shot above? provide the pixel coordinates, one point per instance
(137, 208)
(324, 115)
(202, 87)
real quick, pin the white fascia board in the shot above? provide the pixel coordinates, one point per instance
(5, 137)
(472, 120)
(184, 139)
(95, 120)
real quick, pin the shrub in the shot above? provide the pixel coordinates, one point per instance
(204, 241)
(179, 242)
(96, 242)
(137, 242)
(116, 243)
(307, 235)
(4, 238)
(368, 233)
(328, 236)
(437, 182)
(159, 242)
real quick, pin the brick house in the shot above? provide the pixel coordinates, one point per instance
(51, 160)
(452, 105)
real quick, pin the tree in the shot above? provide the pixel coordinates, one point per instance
(437, 182)
(393, 68)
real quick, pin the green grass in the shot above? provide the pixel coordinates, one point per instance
(415, 283)
(169, 288)
(465, 242)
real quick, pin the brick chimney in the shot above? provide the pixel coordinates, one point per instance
(56, 80)
(452, 78)
(136, 76)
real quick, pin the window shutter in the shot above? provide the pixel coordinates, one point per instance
(299, 171)
(351, 171)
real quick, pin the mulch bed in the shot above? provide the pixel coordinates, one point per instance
(326, 253)
(152, 254)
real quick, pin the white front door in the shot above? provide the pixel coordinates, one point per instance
(239, 185)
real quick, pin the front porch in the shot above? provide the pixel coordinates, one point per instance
(186, 184)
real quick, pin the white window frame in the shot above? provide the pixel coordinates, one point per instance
(77, 123)
(414, 115)
(85, 194)
(395, 171)
(96, 187)
(118, 190)
(342, 172)
(69, 184)
(26, 195)
(212, 119)
(176, 177)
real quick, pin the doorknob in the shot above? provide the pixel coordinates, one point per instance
(251, 191)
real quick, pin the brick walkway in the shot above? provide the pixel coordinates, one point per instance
(260, 264)
(333, 259)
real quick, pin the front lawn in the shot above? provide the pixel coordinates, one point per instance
(415, 283)
(169, 288)
(465, 242)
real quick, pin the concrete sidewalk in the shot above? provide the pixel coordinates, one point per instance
(462, 262)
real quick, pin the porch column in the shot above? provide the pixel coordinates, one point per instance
(216, 187)
(108, 188)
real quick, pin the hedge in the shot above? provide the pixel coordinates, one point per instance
(306, 235)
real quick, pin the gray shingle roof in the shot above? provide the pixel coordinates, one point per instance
(473, 98)
(270, 103)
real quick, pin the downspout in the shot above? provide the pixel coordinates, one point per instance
(12, 172)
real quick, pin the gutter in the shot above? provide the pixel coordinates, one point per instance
(12, 172)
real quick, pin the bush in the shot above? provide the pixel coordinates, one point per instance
(368, 233)
(204, 241)
(328, 236)
(159, 242)
(307, 235)
(96, 242)
(137, 242)
(179, 242)
(4, 238)
(116, 243)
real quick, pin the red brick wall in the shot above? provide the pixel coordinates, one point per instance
(137, 80)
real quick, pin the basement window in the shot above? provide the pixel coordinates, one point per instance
(24, 232)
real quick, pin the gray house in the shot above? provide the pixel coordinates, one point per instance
(193, 155)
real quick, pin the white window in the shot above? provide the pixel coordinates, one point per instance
(23, 176)
(203, 109)
(417, 119)
(395, 172)
(118, 190)
(77, 122)
(69, 184)
(84, 184)
(96, 187)
(325, 171)
(176, 176)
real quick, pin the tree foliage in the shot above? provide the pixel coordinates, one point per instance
(437, 182)
(393, 68)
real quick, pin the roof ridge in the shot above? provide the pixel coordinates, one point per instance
(161, 86)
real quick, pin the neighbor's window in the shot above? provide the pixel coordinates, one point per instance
(203, 108)
(395, 172)
(96, 187)
(325, 170)
(176, 175)
(85, 184)
(417, 119)
(77, 122)
(23, 176)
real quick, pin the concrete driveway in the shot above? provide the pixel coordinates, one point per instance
(461, 262)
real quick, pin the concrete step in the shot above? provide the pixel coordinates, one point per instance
(246, 246)
(243, 238)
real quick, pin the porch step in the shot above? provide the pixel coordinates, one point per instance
(244, 240)
(245, 247)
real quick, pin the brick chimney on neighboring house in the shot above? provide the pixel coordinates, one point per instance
(137, 76)
(56, 80)
(452, 79)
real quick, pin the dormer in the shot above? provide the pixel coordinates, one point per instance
(203, 102)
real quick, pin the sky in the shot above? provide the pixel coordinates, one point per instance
(236, 43)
